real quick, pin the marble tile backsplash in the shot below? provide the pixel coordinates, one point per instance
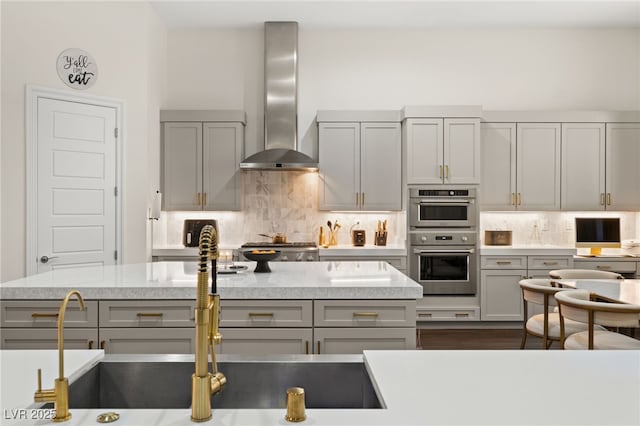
(275, 201)
(552, 228)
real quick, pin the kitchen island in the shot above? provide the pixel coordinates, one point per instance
(414, 388)
(300, 307)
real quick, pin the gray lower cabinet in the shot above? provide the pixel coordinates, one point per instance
(265, 341)
(500, 293)
(351, 326)
(47, 338)
(32, 324)
(147, 340)
(354, 340)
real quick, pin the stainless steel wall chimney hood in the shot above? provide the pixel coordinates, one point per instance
(280, 103)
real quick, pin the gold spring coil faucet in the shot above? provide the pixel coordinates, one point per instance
(204, 384)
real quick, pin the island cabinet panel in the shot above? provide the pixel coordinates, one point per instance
(147, 313)
(47, 338)
(365, 313)
(349, 340)
(44, 313)
(265, 341)
(266, 313)
(147, 340)
(624, 267)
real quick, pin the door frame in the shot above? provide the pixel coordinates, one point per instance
(32, 94)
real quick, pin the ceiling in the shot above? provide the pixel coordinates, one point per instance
(401, 13)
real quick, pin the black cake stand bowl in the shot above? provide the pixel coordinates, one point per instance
(262, 259)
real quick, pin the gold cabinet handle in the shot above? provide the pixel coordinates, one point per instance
(519, 198)
(362, 205)
(318, 347)
(602, 198)
(608, 198)
(204, 199)
(198, 198)
(306, 347)
(425, 315)
(261, 314)
(149, 314)
(44, 315)
(366, 314)
(513, 198)
(549, 263)
(446, 171)
(90, 344)
(603, 266)
(440, 174)
(357, 198)
(102, 344)
(503, 262)
(462, 314)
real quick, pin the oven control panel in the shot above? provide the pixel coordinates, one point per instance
(442, 237)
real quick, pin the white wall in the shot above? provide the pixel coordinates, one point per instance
(120, 36)
(390, 68)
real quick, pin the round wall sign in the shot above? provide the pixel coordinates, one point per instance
(77, 69)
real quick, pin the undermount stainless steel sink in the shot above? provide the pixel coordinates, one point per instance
(156, 382)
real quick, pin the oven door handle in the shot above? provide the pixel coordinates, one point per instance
(444, 251)
(443, 201)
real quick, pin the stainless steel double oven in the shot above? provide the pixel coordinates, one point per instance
(443, 239)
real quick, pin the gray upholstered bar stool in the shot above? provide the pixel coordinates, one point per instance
(586, 307)
(547, 324)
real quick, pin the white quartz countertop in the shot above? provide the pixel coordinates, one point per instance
(364, 251)
(19, 372)
(416, 388)
(177, 280)
(527, 251)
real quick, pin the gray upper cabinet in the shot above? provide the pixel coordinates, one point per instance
(583, 166)
(622, 171)
(360, 163)
(443, 150)
(520, 166)
(200, 160)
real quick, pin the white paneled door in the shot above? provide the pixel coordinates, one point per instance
(76, 184)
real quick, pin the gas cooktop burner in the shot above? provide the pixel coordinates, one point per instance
(270, 244)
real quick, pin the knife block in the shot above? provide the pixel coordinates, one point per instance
(380, 238)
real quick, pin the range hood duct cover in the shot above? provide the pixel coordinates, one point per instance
(280, 103)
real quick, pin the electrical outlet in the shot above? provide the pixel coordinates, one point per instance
(544, 224)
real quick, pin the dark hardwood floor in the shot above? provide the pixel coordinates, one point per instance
(476, 339)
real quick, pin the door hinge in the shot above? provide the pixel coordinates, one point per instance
(115, 132)
(115, 255)
(115, 191)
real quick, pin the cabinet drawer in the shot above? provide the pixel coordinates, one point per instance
(147, 313)
(147, 340)
(47, 338)
(265, 341)
(266, 313)
(355, 340)
(613, 266)
(546, 262)
(449, 314)
(503, 262)
(44, 313)
(365, 313)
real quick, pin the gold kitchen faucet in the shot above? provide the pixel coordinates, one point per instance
(59, 395)
(204, 384)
